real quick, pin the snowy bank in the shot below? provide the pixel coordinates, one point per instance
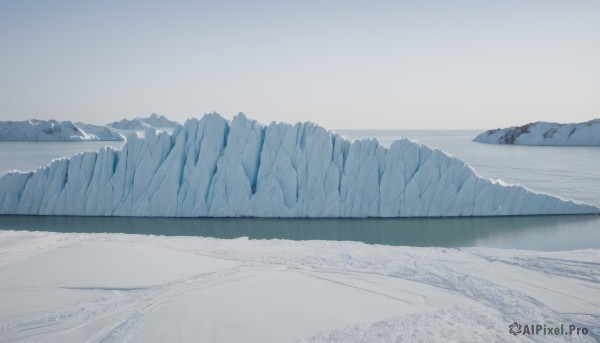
(112, 287)
(215, 168)
(544, 133)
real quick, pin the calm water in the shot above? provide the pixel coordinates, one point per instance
(569, 172)
(546, 233)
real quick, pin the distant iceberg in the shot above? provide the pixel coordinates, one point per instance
(159, 121)
(153, 121)
(52, 130)
(103, 133)
(129, 125)
(543, 133)
(212, 167)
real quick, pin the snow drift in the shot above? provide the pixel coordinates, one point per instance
(212, 167)
(543, 133)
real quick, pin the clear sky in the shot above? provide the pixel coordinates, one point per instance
(341, 64)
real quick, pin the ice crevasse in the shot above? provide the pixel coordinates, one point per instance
(213, 167)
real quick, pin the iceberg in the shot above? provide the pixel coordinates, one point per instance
(215, 168)
(544, 133)
(129, 125)
(52, 130)
(153, 121)
(159, 121)
(102, 133)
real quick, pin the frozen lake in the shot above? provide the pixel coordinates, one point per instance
(569, 172)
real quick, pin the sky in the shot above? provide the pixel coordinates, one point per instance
(341, 64)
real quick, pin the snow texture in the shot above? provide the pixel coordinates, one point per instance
(65, 288)
(543, 133)
(210, 167)
(52, 130)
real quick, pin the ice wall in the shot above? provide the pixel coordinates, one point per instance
(212, 167)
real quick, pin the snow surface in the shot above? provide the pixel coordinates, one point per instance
(52, 130)
(544, 133)
(210, 167)
(57, 287)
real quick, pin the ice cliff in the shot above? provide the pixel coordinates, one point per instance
(52, 130)
(212, 167)
(543, 133)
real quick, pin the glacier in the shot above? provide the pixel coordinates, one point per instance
(52, 130)
(216, 168)
(545, 133)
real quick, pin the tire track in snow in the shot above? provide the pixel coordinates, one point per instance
(140, 303)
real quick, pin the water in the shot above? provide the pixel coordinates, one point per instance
(543, 233)
(569, 172)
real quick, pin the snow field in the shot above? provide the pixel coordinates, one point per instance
(115, 287)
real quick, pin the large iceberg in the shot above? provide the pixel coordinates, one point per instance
(52, 130)
(212, 167)
(544, 133)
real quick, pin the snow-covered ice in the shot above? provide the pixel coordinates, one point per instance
(212, 167)
(58, 287)
(544, 133)
(52, 130)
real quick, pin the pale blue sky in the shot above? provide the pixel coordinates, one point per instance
(342, 64)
